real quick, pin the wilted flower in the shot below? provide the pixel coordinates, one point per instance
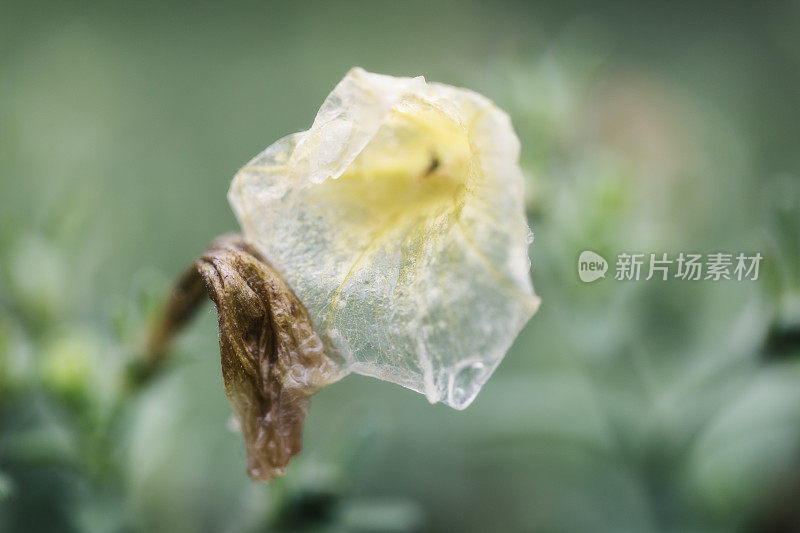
(398, 221)
(388, 240)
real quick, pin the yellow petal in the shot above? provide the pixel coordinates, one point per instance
(398, 221)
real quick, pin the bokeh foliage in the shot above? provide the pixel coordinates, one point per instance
(622, 407)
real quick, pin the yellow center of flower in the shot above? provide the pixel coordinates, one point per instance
(415, 167)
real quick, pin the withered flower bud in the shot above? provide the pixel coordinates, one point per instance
(272, 360)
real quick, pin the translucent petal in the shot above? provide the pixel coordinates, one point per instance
(398, 221)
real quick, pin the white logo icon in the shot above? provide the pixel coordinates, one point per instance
(591, 266)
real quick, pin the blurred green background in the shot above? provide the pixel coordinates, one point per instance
(649, 406)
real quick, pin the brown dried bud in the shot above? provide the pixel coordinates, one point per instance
(272, 360)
